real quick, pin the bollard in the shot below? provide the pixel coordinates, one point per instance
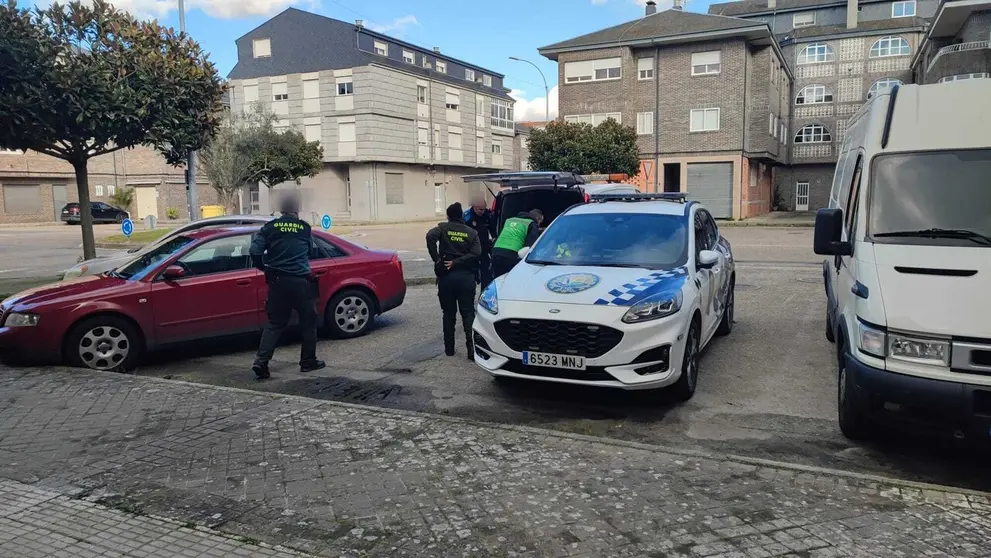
(150, 221)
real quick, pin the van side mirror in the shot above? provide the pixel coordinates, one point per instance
(828, 237)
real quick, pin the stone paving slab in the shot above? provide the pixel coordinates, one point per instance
(341, 480)
(36, 522)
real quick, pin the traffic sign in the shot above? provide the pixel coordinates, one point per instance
(127, 227)
(326, 222)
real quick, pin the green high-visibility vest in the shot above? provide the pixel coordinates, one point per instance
(513, 235)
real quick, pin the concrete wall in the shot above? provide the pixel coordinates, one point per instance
(819, 177)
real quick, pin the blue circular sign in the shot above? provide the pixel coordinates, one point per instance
(326, 222)
(572, 283)
(127, 227)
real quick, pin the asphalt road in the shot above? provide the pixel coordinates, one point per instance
(32, 252)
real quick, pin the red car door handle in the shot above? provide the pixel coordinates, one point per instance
(243, 282)
(321, 272)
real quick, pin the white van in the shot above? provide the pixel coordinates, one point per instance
(909, 282)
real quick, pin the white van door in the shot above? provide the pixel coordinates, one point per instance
(844, 268)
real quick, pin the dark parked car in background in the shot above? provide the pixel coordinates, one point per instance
(102, 213)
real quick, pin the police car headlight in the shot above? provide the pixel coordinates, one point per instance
(654, 308)
(489, 299)
(17, 319)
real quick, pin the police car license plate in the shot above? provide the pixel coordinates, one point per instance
(570, 362)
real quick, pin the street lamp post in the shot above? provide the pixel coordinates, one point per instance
(191, 161)
(547, 92)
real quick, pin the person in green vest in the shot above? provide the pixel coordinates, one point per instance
(517, 232)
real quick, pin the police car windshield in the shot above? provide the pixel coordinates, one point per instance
(641, 240)
(146, 262)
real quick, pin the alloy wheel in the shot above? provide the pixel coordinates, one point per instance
(104, 348)
(352, 314)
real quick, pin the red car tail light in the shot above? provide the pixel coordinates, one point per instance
(588, 198)
(398, 263)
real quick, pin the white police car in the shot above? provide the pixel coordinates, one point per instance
(624, 292)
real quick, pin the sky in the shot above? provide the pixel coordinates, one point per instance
(483, 32)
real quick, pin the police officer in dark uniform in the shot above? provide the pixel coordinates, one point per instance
(282, 250)
(482, 220)
(455, 263)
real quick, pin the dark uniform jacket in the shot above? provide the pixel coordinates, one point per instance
(285, 243)
(484, 224)
(458, 243)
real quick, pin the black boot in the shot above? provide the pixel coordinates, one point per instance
(449, 351)
(261, 370)
(471, 349)
(312, 365)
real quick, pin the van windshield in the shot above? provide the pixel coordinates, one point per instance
(937, 198)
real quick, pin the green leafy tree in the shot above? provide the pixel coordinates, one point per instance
(609, 147)
(85, 79)
(123, 197)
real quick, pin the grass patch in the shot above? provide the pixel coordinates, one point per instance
(138, 237)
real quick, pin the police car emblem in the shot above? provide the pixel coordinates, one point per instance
(572, 283)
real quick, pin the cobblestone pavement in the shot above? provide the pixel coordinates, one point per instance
(336, 480)
(40, 523)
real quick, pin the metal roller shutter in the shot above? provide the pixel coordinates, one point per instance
(712, 185)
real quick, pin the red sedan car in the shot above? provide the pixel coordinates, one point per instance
(195, 286)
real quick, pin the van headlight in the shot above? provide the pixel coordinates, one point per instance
(18, 319)
(876, 342)
(654, 308)
(489, 299)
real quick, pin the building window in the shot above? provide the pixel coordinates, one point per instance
(754, 177)
(381, 48)
(784, 133)
(311, 89)
(442, 66)
(890, 46)
(111, 189)
(645, 123)
(645, 68)
(593, 70)
(22, 199)
(487, 80)
(422, 133)
(469, 75)
(706, 63)
(421, 94)
(816, 53)
(426, 62)
(312, 132)
(813, 95)
(280, 91)
(345, 88)
(903, 9)
(99, 190)
(593, 119)
(453, 101)
(958, 77)
(409, 57)
(346, 132)
(704, 120)
(454, 140)
(496, 147)
(813, 133)
(881, 86)
(770, 124)
(803, 19)
(261, 48)
(394, 191)
(501, 114)
(479, 105)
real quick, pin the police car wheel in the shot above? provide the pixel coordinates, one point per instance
(350, 313)
(684, 388)
(726, 324)
(104, 343)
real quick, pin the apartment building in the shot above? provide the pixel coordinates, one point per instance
(843, 53)
(957, 44)
(34, 187)
(708, 96)
(399, 124)
(523, 129)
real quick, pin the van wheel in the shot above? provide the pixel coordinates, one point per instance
(350, 313)
(853, 422)
(684, 388)
(104, 343)
(830, 334)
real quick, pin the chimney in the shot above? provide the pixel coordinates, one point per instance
(437, 50)
(677, 5)
(852, 8)
(359, 23)
(651, 7)
(772, 4)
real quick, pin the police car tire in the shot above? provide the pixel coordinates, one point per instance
(726, 324)
(334, 328)
(684, 388)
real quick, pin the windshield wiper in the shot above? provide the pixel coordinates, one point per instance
(941, 233)
(629, 265)
(543, 262)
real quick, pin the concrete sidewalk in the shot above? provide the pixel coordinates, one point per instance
(339, 480)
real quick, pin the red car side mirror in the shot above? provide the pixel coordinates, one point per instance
(174, 272)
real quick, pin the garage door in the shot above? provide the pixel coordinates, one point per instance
(712, 185)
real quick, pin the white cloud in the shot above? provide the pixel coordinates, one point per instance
(532, 109)
(396, 27)
(223, 9)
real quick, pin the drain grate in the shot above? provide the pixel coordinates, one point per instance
(355, 391)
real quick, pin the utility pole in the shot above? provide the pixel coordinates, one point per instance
(547, 92)
(194, 212)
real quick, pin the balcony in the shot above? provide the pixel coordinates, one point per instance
(963, 58)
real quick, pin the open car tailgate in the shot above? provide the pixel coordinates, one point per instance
(528, 178)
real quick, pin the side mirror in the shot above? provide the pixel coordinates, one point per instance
(708, 259)
(828, 237)
(522, 253)
(174, 272)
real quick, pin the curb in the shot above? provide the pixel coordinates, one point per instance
(697, 454)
